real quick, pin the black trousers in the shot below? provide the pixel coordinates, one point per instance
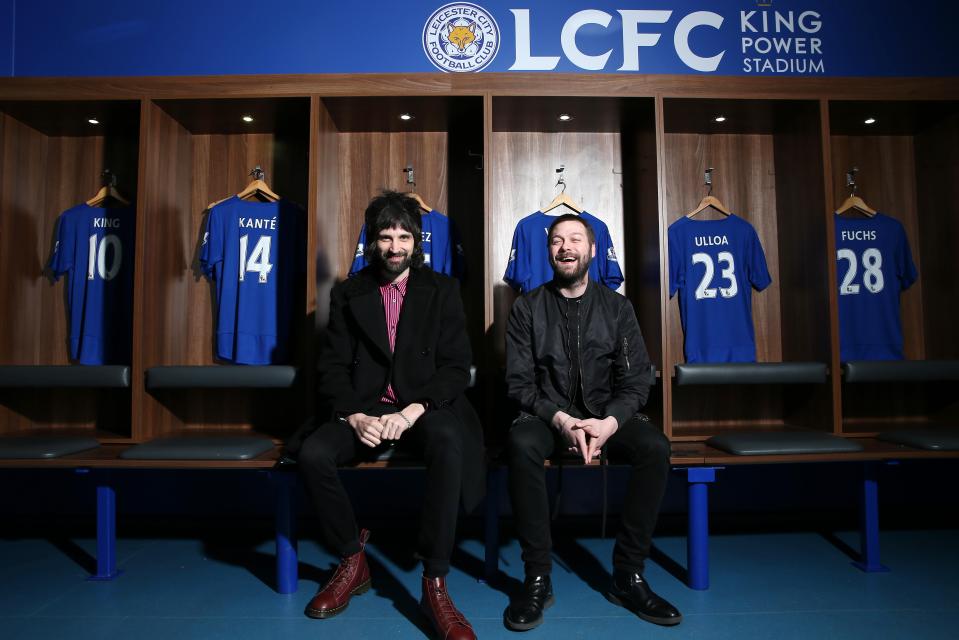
(436, 437)
(637, 443)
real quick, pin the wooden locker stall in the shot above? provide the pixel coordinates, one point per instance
(198, 151)
(907, 169)
(604, 149)
(366, 147)
(52, 159)
(767, 159)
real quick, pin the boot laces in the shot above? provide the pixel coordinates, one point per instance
(447, 608)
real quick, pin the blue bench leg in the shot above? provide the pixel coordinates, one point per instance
(106, 531)
(287, 562)
(494, 487)
(697, 542)
(869, 521)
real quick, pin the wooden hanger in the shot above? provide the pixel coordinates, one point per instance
(108, 191)
(854, 201)
(710, 201)
(562, 198)
(256, 188)
(425, 207)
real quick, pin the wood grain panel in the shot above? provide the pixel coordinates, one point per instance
(524, 180)
(937, 190)
(745, 180)
(553, 84)
(887, 182)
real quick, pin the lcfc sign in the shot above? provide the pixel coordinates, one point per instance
(461, 37)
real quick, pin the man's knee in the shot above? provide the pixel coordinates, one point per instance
(318, 454)
(441, 434)
(652, 445)
(524, 442)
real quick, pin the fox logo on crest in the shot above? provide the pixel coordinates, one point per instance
(461, 37)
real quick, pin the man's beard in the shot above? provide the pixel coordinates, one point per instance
(382, 259)
(569, 278)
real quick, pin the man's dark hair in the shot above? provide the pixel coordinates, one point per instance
(571, 217)
(393, 209)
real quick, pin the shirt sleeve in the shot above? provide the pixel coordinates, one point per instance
(609, 268)
(905, 267)
(758, 271)
(359, 256)
(64, 248)
(457, 257)
(517, 269)
(677, 267)
(211, 249)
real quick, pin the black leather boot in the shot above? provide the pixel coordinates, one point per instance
(631, 591)
(526, 612)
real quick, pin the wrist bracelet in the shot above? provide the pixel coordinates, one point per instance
(409, 425)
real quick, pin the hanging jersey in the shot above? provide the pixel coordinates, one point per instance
(254, 252)
(94, 247)
(873, 265)
(442, 247)
(529, 266)
(714, 265)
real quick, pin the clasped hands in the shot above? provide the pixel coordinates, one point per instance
(372, 430)
(585, 436)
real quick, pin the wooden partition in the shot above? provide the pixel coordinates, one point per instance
(199, 151)
(767, 158)
(908, 170)
(52, 158)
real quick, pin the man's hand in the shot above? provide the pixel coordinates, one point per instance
(575, 438)
(396, 424)
(597, 432)
(368, 429)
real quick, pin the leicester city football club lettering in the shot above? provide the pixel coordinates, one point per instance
(780, 38)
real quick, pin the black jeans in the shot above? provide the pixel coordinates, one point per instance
(637, 443)
(436, 437)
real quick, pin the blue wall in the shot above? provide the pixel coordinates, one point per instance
(188, 37)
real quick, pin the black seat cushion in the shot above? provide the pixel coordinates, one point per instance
(941, 439)
(900, 370)
(221, 377)
(44, 447)
(200, 448)
(766, 443)
(751, 373)
(64, 376)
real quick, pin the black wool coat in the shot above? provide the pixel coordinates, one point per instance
(431, 361)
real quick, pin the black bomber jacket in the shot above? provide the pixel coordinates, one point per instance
(615, 372)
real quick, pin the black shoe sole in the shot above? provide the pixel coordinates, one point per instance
(318, 614)
(526, 626)
(666, 622)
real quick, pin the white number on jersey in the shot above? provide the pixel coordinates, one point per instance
(703, 291)
(97, 260)
(872, 276)
(259, 261)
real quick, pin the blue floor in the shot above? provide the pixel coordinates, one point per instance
(775, 585)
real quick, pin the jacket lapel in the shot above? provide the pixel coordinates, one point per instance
(419, 295)
(367, 308)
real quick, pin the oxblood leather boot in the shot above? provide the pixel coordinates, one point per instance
(448, 622)
(351, 578)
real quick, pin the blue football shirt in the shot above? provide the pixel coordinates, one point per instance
(715, 265)
(529, 266)
(873, 265)
(442, 247)
(94, 247)
(254, 252)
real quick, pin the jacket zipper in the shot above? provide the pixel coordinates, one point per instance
(626, 352)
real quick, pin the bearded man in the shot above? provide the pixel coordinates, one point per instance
(393, 367)
(578, 369)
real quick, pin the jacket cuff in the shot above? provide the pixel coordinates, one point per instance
(619, 412)
(545, 410)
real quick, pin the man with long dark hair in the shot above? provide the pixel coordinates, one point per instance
(578, 369)
(394, 365)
